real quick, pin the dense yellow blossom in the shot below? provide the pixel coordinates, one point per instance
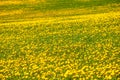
(78, 47)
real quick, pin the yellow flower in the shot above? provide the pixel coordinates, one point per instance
(25, 76)
(99, 45)
(26, 73)
(38, 76)
(112, 72)
(108, 77)
(17, 74)
(67, 73)
(1, 76)
(35, 66)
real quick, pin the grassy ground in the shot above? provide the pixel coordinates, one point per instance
(64, 39)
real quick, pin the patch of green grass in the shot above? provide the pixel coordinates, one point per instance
(55, 9)
(64, 4)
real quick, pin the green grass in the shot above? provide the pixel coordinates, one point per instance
(64, 4)
(51, 8)
(60, 4)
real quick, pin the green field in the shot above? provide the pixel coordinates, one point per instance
(59, 40)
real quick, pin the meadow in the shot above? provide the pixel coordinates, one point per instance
(60, 40)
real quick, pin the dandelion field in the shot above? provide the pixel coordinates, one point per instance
(59, 44)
